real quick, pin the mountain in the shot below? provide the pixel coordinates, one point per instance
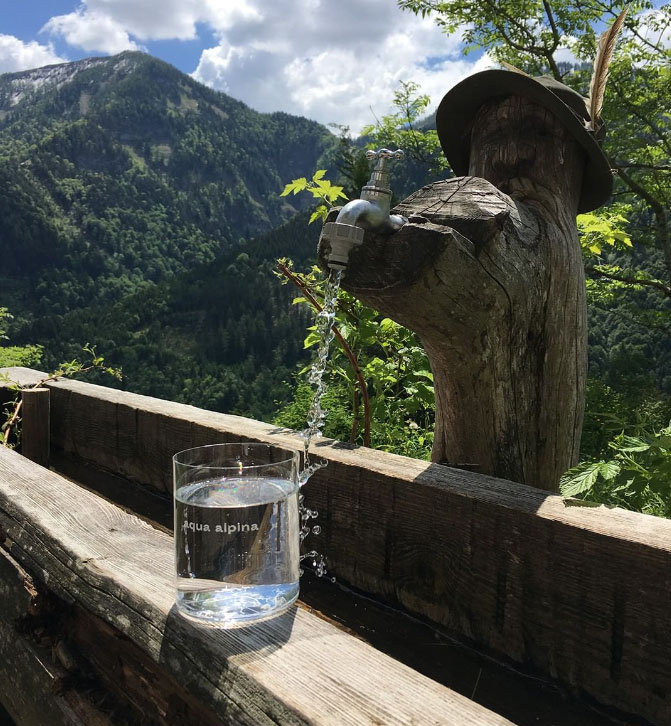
(123, 181)
(140, 212)
(126, 169)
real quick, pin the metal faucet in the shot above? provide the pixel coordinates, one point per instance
(370, 212)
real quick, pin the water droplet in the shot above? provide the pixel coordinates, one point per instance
(317, 415)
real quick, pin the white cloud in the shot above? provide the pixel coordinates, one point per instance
(145, 20)
(91, 31)
(15, 55)
(331, 62)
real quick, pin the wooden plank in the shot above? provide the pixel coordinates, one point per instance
(137, 498)
(34, 686)
(35, 421)
(152, 695)
(575, 593)
(294, 669)
(23, 376)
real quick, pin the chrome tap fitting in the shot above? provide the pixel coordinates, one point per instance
(371, 212)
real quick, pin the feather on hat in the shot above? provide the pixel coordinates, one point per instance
(581, 116)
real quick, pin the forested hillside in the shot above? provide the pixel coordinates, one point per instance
(141, 213)
(129, 194)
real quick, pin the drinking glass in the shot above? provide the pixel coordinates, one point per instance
(236, 532)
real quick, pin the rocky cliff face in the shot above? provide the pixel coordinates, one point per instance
(17, 88)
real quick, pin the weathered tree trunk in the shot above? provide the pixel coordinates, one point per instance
(493, 284)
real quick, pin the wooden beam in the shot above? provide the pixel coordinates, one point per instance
(35, 687)
(35, 422)
(294, 669)
(574, 593)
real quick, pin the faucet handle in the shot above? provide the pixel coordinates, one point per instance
(379, 177)
(383, 154)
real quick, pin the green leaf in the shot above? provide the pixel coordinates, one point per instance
(311, 339)
(609, 469)
(320, 213)
(629, 444)
(423, 374)
(295, 186)
(580, 479)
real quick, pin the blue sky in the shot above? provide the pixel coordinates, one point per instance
(330, 60)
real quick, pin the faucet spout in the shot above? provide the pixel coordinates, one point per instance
(370, 212)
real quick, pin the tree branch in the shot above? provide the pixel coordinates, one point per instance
(642, 192)
(635, 110)
(659, 212)
(632, 28)
(553, 26)
(652, 167)
(343, 343)
(553, 65)
(7, 428)
(627, 279)
(532, 48)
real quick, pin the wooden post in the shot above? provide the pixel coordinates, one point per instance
(488, 272)
(35, 418)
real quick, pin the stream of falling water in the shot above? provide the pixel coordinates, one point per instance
(317, 415)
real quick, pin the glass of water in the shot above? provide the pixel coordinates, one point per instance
(236, 532)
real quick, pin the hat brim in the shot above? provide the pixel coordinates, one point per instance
(461, 103)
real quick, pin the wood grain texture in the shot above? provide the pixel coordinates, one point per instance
(488, 272)
(580, 594)
(32, 683)
(295, 669)
(35, 416)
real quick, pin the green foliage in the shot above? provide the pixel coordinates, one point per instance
(13, 355)
(526, 33)
(395, 370)
(320, 188)
(403, 130)
(337, 401)
(604, 226)
(20, 355)
(351, 162)
(626, 400)
(637, 476)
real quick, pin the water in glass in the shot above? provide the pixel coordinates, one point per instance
(237, 545)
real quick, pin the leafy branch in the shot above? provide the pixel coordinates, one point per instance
(320, 188)
(401, 129)
(636, 477)
(64, 370)
(637, 279)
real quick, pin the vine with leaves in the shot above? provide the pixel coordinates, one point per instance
(9, 430)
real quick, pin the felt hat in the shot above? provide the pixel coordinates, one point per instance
(461, 103)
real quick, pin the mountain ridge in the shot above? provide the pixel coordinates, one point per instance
(123, 177)
(202, 161)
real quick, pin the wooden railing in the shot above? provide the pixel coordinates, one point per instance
(577, 595)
